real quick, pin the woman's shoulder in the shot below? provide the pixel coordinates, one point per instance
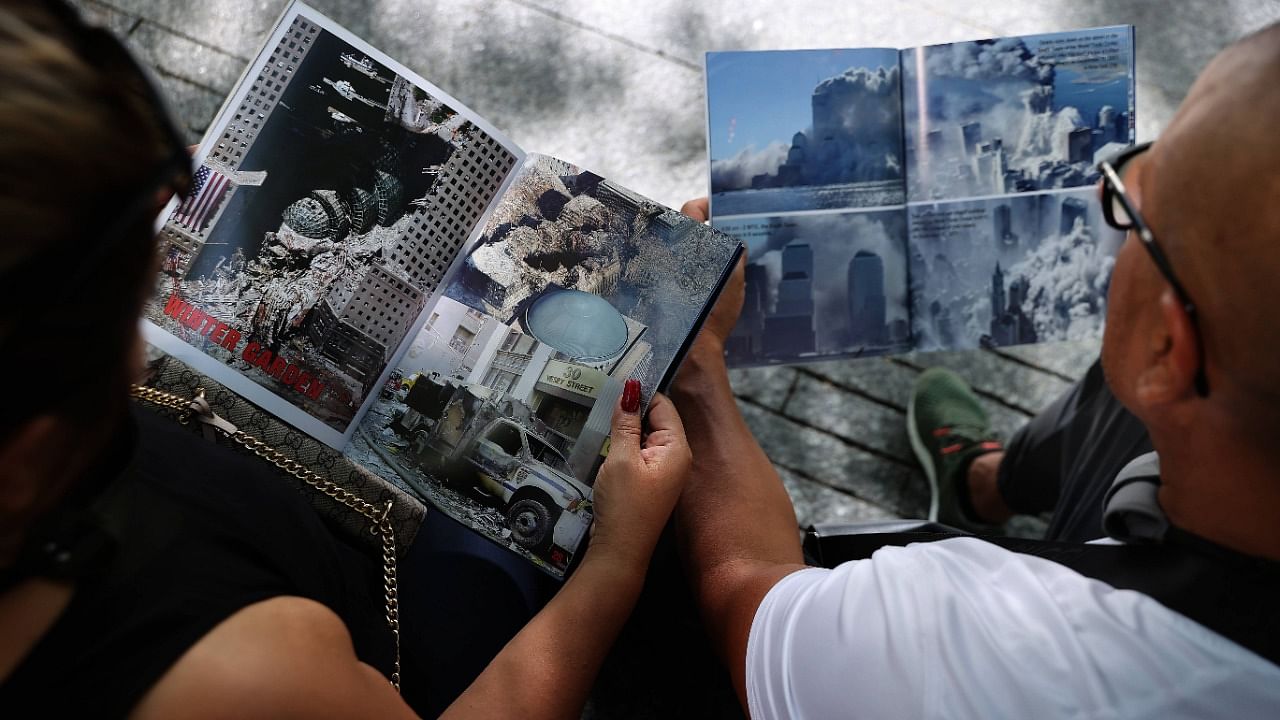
(200, 533)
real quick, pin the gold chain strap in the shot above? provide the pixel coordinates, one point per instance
(379, 518)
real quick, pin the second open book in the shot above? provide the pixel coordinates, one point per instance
(930, 198)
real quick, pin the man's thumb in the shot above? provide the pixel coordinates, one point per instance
(625, 437)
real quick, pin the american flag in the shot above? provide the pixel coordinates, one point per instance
(207, 190)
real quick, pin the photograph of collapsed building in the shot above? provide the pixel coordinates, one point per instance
(821, 286)
(333, 198)
(501, 429)
(503, 412)
(564, 244)
(1015, 115)
(804, 130)
(1008, 271)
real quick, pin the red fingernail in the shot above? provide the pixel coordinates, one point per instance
(631, 396)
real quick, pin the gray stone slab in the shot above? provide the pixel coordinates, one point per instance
(238, 27)
(849, 416)
(827, 459)
(1011, 383)
(891, 382)
(878, 377)
(768, 386)
(684, 30)
(817, 503)
(96, 13)
(197, 63)
(1071, 359)
(193, 106)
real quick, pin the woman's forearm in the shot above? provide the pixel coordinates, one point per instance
(548, 668)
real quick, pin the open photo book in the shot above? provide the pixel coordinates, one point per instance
(374, 264)
(938, 197)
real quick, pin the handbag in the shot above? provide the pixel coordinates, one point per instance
(374, 513)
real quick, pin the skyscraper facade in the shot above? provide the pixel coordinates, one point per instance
(866, 299)
(251, 116)
(789, 329)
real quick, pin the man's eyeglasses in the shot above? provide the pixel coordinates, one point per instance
(1122, 214)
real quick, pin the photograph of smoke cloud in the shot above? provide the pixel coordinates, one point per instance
(1008, 271)
(804, 130)
(1016, 114)
(821, 285)
(561, 229)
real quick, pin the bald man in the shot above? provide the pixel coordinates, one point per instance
(963, 628)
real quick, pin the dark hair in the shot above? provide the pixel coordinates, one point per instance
(78, 141)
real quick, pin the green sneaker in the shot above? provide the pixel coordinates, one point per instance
(948, 429)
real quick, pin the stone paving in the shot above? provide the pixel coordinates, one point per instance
(617, 87)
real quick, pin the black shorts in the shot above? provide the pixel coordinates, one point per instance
(1065, 458)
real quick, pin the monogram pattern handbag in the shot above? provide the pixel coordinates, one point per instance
(372, 512)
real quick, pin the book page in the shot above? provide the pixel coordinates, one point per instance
(334, 190)
(1003, 137)
(807, 170)
(499, 413)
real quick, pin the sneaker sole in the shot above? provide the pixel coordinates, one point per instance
(922, 454)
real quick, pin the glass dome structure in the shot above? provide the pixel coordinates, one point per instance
(578, 324)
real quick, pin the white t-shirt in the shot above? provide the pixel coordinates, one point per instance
(962, 628)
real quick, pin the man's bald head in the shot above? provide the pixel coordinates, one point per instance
(1211, 191)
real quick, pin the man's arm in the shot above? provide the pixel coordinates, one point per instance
(736, 525)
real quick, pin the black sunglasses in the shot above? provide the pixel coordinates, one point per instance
(1122, 214)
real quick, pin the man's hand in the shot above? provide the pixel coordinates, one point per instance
(699, 209)
(715, 331)
(735, 524)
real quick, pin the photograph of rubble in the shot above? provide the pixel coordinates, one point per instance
(563, 243)
(332, 197)
(804, 130)
(500, 429)
(1009, 271)
(499, 411)
(1018, 114)
(821, 286)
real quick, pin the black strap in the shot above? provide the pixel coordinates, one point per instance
(1234, 595)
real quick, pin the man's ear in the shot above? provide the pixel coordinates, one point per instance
(1170, 374)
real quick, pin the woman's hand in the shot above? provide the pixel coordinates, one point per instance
(640, 481)
(547, 669)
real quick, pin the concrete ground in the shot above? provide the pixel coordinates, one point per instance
(617, 87)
